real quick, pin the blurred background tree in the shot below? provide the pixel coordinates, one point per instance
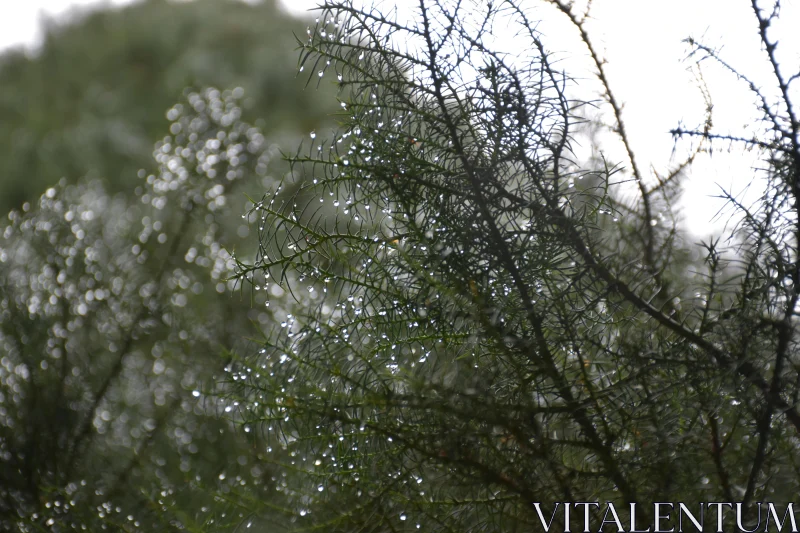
(115, 312)
(92, 101)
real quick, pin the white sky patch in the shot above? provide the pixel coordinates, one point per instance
(647, 67)
(21, 20)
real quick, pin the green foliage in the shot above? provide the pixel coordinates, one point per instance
(459, 318)
(115, 318)
(92, 100)
(472, 332)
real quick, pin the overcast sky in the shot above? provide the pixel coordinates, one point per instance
(642, 41)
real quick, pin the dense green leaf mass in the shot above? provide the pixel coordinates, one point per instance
(92, 100)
